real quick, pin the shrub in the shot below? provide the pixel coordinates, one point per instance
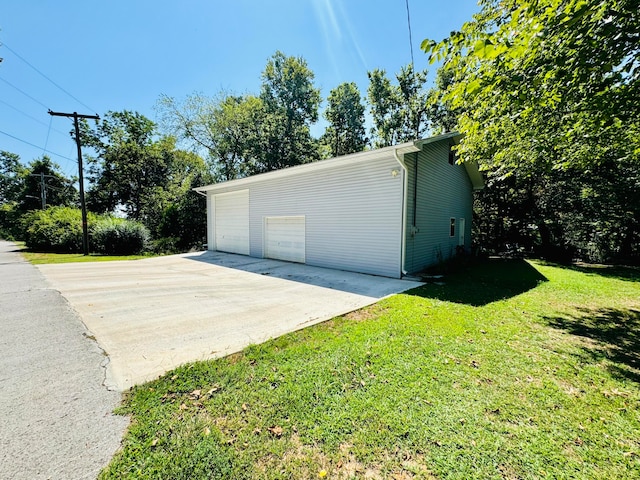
(166, 245)
(118, 236)
(56, 229)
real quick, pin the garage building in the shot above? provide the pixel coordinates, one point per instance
(390, 212)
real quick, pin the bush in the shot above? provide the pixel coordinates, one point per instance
(59, 230)
(56, 229)
(166, 245)
(118, 236)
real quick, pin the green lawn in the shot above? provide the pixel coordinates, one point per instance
(38, 258)
(511, 370)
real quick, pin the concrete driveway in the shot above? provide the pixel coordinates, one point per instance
(154, 314)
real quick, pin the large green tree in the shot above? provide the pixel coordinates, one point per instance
(127, 167)
(547, 95)
(12, 174)
(554, 81)
(345, 113)
(291, 103)
(142, 174)
(399, 112)
(226, 129)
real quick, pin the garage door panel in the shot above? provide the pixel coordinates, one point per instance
(232, 222)
(285, 238)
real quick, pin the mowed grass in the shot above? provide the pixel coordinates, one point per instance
(512, 370)
(40, 258)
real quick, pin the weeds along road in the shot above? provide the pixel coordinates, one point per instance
(57, 420)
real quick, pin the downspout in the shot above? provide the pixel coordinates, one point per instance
(405, 190)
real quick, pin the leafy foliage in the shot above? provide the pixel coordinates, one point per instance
(118, 236)
(56, 229)
(400, 111)
(345, 114)
(291, 104)
(145, 176)
(548, 92)
(226, 129)
(59, 230)
(554, 80)
(12, 174)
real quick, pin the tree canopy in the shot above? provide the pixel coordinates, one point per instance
(345, 113)
(291, 103)
(399, 112)
(547, 95)
(546, 81)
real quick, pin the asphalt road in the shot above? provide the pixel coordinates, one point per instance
(56, 418)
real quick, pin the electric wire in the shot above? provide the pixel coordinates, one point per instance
(410, 35)
(34, 118)
(24, 93)
(46, 142)
(47, 78)
(36, 146)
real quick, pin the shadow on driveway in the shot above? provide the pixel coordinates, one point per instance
(350, 282)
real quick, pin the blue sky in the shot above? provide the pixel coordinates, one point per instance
(117, 54)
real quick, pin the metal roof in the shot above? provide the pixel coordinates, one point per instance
(401, 150)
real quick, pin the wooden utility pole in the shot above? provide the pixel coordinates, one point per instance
(83, 206)
(43, 187)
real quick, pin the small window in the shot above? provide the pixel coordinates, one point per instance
(452, 227)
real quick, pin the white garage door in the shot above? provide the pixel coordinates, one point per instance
(232, 222)
(284, 238)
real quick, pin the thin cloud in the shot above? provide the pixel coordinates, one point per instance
(333, 21)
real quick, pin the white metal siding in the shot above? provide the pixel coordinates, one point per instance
(231, 220)
(284, 238)
(353, 215)
(444, 191)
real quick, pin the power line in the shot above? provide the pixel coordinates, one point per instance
(36, 146)
(34, 118)
(47, 78)
(410, 36)
(24, 93)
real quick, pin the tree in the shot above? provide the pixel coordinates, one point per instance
(564, 75)
(345, 114)
(127, 167)
(12, 174)
(443, 117)
(226, 129)
(139, 173)
(291, 105)
(547, 92)
(399, 112)
(58, 189)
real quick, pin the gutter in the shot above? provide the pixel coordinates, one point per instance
(405, 190)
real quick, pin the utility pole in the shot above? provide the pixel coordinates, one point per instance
(43, 191)
(43, 187)
(85, 229)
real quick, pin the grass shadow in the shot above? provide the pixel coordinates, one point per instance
(616, 336)
(484, 282)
